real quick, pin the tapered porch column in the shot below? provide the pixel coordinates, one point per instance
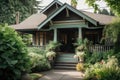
(55, 35)
(80, 33)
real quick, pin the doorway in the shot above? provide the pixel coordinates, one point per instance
(67, 37)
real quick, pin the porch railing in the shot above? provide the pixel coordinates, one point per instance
(37, 46)
(91, 48)
(100, 48)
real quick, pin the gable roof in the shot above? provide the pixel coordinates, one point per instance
(52, 3)
(31, 22)
(71, 9)
(37, 21)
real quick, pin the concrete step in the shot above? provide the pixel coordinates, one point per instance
(65, 61)
(64, 67)
(60, 64)
(66, 58)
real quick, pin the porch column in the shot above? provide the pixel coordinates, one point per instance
(80, 33)
(55, 35)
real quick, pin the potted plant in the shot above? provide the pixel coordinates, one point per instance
(80, 49)
(50, 55)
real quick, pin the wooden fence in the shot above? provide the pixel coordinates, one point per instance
(99, 48)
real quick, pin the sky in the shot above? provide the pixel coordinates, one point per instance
(81, 4)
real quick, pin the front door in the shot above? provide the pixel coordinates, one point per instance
(67, 38)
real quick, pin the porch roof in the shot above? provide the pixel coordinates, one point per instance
(31, 22)
(101, 18)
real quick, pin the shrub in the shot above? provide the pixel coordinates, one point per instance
(80, 67)
(26, 38)
(36, 50)
(38, 59)
(13, 54)
(43, 65)
(92, 58)
(104, 71)
(50, 54)
(35, 59)
(52, 46)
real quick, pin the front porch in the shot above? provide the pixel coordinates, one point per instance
(67, 37)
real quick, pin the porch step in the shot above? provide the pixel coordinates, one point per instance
(65, 65)
(65, 61)
(66, 58)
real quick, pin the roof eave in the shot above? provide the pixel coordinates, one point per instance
(53, 2)
(70, 8)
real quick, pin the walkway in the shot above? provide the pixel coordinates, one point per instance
(62, 75)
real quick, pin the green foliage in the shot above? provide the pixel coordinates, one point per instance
(117, 55)
(113, 4)
(43, 65)
(8, 9)
(93, 4)
(26, 38)
(112, 30)
(13, 54)
(52, 46)
(74, 3)
(82, 44)
(104, 71)
(104, 11)
(38, 59)
(36, 50)
(92, 58)
(35, 59)
(50, 54)
(80, 67)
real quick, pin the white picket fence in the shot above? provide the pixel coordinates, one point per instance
(99, 48)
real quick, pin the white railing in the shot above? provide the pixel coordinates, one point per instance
(37, 46)
(99, 48)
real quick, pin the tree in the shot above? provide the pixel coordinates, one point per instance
(104, 11)
(112, 31)
(93, 4)
(74, 3)
(113, 4)
(9, 8)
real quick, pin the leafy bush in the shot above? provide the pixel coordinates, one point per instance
(26, 38)
(35, 59)
(92, 58)
(104, 71)
(38, 59)
(50, 54)
(43, 65)
(52, 46)
(13, 54)
(80, 67)
(36, 50)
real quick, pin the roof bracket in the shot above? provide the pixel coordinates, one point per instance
(67, 13)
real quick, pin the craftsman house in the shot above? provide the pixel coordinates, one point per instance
(63, 23)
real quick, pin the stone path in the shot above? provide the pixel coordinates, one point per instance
(62, 75)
